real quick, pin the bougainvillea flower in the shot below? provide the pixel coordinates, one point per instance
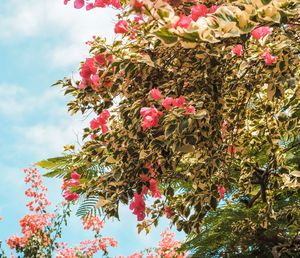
(155, 94)
(221, 191)
(78, 4)
(238, 50)
(116, 4)
(121, 27)
(90, 6)
(214, 8)
(189, 109)
(138, 206)
(151, 117)
(75, 175)
(154, 189)
(168, 212)
(178, 102)
(138, 4)
(88, 69)
(183, 22)
(261, 32)
(70, 196)
(138, 18)
(231, 149)
(199, 11)
(66, 1)
(101, 60)
(268, 58)
(167, 102)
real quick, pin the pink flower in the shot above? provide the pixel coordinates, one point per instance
(268, 58)
(70, 196)
(151, 117)
(221, 192)
(116, 4)
(155, 94)
(66, 1)
(154, 189)
(167, 102)
(224, 125)
(138, 4)
(183, 22)
(238, 50)
(90, 6)
(73, 182)
(198, 11)
(189, 109)
(168, 212)
(231, 149)
(121, 27)
(138, 18)
(214, 8)
(101, 60)
(78, 4)
(101, 121)
(178, 102)
(75, 176)
(138, 206)
(261, 32)
(88, 69)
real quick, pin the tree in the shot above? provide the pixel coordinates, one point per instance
(202, 99)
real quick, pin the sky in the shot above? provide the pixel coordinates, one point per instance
(40, 43)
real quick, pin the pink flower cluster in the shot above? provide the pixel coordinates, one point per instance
(101, 121)
(221, 191)
(197, 12)
(89, 70)
(177, 103)
(36, 191)
(268, 58)
(94, 222)
(150, 116)
(261, 32)
(78, 4)
(138, 204)
(68, 195)
(238, 50)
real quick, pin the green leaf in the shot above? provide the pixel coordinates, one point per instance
(166, 36)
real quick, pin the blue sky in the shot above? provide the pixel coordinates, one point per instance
(40, 43)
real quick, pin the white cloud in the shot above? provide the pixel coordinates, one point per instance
(70, 28)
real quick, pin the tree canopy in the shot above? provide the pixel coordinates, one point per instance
(196, 100)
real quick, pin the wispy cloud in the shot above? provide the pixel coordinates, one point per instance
(70, 27)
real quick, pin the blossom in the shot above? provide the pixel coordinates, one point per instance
(101, 121)
(138, 4)
(221, 191)
(231, 149)
(183, 22)
(168, 212)
(167, 102)
(116, 4)
(155, 94)
(75, 175)
(138, 206)
(78, 4)
(214, 8)
(261, 32)
(178, 102)
(268, 58)
(138, 18)
(101, 60)
(88, 69)
(189, 109)
(121, 27)
(199, 11)
(154, 189)
(70, 196)
(238, 50)
(151, 117)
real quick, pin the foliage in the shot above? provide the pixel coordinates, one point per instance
(201, 94)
